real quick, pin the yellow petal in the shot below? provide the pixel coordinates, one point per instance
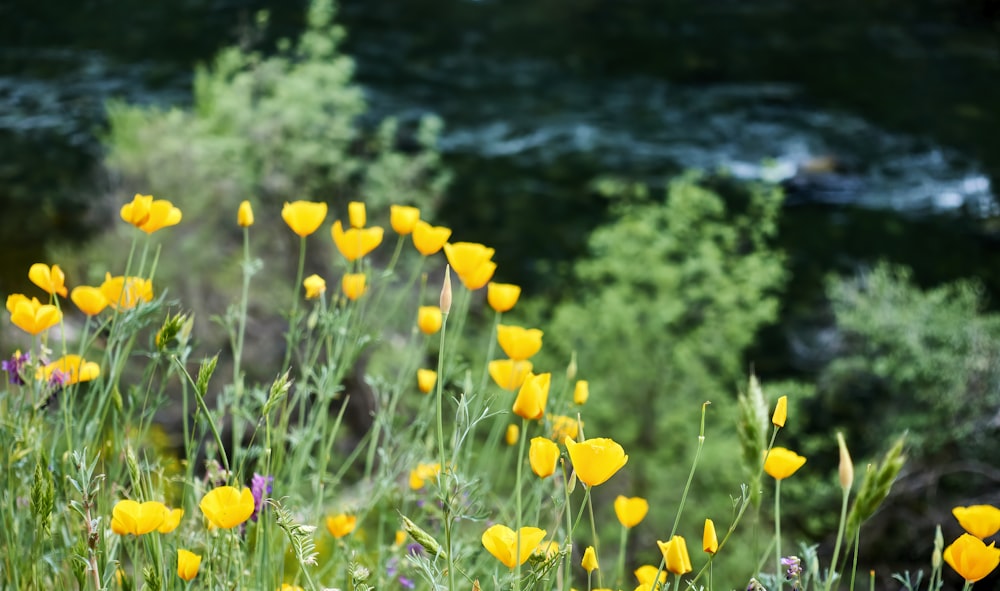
(519, 343)
(244, 215)
(543, 455)
(428, 239)
(596, 460)
(631, 511)
(782, 463)
(403, 218)
(502, 296)
(304, 217)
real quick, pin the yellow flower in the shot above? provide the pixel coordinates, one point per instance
(971, 558)
(226, 506)
(502, 543)
(466, 257)
(581, 392)
(403, 218)
(596, 460)
(131, 517)
(981, 521)
(171, 520)
(709, 539)
(533, 396)
(32, 316)
(563, 427)
(589, 562)
(341, 525)
(137, 212)
(89, 299)
(51, 280)
(355, 243)
(72, 369)
(422, 473)
(288, 587)
(509, 374)
(187, 564)
(353, 285)
(480, 277)
(548, 549)
(502, 296)
(543, 456)
(675, 554)
(357, 214)
(631, 511)
(149, 215)
(646, 574)
(780, 412)
(782, 463)
(428, 239)
(315, 285)
(125, 293)
(400, 538)
(426, 378)
(517, 342)
(244, 215)
(429, 319)
(303, 217)
(513, 434)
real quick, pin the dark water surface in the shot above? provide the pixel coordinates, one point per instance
(882, 118)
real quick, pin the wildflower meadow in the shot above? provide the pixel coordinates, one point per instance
(478, 469)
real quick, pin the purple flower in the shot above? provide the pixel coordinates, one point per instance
(406, 583)
(14, 367)
(792, 565)
(415, 549)
(260, 486)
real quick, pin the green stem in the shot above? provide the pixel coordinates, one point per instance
(517, 494)
(593, 536)
(293, 318)
(620, 569)
(694, 466)
(854, 569)
(840, 538)
(777, 533)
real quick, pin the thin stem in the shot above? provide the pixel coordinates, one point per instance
(593, 535)
(293, 318)
(517, 493)
(620, 569)
(777, 533)
(840, 538)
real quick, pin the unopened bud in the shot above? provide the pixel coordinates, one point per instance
(846, 466)
(422, 537)
(445, 302)
(571, 368)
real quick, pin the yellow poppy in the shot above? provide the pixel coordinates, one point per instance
(403, 218)
(422, 473)
(132, 517)
(357, 214)
(509, 374)
(480, 277)
(304, 217)
(90, 300)
(315, 285)
(342, 524)
(971, 558)
(675, 555)
(780, 412)
(581, 392)
(353, 285)
(512, 435)
(71, 368)
(429, 319)
(782, 463)
(244, 215)
(502, 543)
(125, 293)
(149, 215)
(32, 316)
(466, 257)
(355, 243)
(517, 342)
(533, 396)
(589, 562)
(51, 280)
(709, 539)
(502, 296)
(187, 564)
(563, 427)
(596, 460)
(981, 521)
(226, 506)
(543, 455)
(171, 520)
(646, 574)
(428, 239)
(426, 378)
(631, 510)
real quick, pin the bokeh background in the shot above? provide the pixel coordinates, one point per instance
(832, 172)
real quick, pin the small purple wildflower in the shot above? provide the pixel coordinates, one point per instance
(415, 549)
(260, 486)
(406, 583)
(14, 367)
(792, 565)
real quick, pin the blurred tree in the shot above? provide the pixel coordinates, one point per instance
(672, 294)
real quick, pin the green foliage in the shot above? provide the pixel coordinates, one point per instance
(922, 361)
(670, 298)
